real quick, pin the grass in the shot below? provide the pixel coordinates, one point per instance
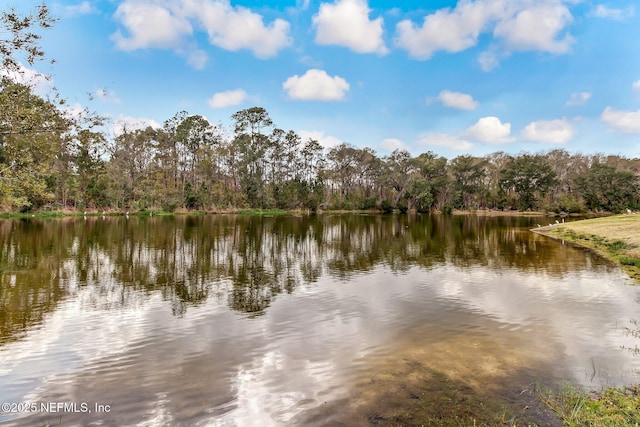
(614, 237)
(617, 407)
(53, 214)
(495, 213)
(262, 212)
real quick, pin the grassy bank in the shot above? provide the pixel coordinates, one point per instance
(494, 213)
(615, 237)
(614, 407)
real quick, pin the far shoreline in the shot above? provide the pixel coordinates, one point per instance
(297, 212)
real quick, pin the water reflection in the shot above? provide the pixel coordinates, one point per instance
(45, 261)
(231, 319)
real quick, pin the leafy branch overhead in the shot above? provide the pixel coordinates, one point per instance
(19, 35)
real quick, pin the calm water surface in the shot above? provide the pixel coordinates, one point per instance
(240, 321)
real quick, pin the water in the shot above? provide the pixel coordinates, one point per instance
(232, 320)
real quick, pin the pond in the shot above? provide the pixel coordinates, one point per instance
(301, 320)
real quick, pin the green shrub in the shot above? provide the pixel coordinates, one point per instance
(631, 261)
(386, 207)
(617, 246)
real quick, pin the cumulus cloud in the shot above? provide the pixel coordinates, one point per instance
(623, 121)
(537, 28)
(303, 4)
(150, 25)
(316, 85)
(130, 123)
(451, 30)
(236, 28)
(602, 11)
(458, 100)
(107, 96)
(346, 23)
(557, 131)
(326, 141)
(83, 8)
(39, 83)
(228, 98)
(197, 58)
(491, 58)
(168, 25)
(491, 131)
(517, 26)
(391, 144)
(579, 98)
(73, 111)
(433, 139)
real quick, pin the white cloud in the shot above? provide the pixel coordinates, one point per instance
(554, 131)
(73, 111)
(168, 25)
(451, 30)
(490, 59)
(150, 25)
(39, 83)
(602, 11)
(326, 141)
(443, 140)
(316, 85)
(518, 25)
(636, 86)
(458, 100)
(391, 144)
(107, 96)
(197, 58)
(580, 98)
(302, 4)
(623, 121)
(228, 98)
(346, 23)
(133, 123)
(537, 28)
(236, 28)
(490, 130)
(83, 8)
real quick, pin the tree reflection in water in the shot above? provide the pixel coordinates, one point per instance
(249, 260)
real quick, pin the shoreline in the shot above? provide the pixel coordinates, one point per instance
(250, 211)
(615, 238)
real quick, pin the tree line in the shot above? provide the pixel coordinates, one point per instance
(52, 157)
(49, 160)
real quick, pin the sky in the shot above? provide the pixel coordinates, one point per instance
(453, 77)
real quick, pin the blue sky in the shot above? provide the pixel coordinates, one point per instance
(465, 77)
